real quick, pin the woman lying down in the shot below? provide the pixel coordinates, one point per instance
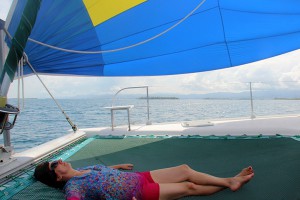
(102, 182)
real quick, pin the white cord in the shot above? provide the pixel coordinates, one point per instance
(22, 78)
(122, 48)
(74, 127)
(18, 74)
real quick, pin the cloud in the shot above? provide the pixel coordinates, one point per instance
(278, 72)
(273, 73)
(4, 8)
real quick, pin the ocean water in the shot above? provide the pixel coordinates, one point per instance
(41, 121)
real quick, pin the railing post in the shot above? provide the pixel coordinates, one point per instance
(148, 113)
(251, 99)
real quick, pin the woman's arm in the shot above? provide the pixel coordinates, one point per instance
(122, 166)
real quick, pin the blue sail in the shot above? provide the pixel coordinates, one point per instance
(161, 41)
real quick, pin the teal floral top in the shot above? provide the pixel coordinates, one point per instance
(104, 183)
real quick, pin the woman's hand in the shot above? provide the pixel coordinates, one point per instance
(133, 198)
(126, 166)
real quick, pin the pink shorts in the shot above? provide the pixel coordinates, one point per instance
(150, 188)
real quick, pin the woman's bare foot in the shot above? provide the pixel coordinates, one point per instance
(246, 171)
(237, 182)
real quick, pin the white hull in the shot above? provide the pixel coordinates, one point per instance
(282, 125)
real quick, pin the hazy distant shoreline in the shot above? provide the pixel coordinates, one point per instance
(159, 98)
(163, 98)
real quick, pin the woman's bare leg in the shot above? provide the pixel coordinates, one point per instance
(171, 175)
(170, 191)
(185, 173)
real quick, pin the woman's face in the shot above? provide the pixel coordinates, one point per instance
(61, 168)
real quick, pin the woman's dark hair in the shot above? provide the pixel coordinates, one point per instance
(43, 174)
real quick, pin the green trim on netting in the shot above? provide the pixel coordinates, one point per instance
(296, 137)
(74, 150)
(210, 137)
(19, 183)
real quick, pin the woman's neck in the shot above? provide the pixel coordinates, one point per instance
(73, 173)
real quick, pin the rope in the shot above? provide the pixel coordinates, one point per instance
(22, 78)
(74, 127)
(20, 75)
(122, 48)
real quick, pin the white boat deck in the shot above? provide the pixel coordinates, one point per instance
(287, 125)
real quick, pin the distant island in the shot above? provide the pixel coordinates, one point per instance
(286, 98)
(159, 98)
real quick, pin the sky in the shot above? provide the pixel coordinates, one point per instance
(281, 72)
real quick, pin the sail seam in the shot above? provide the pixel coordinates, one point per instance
(224, 33)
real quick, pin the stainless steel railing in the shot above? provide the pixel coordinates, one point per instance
(138, 87)
(251, 100)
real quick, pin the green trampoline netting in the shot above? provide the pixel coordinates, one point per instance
(276, 161)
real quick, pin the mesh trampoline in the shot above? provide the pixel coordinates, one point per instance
(275, 161)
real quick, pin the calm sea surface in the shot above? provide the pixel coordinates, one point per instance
(42, 121)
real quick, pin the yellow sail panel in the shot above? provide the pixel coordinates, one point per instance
(102, 10)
